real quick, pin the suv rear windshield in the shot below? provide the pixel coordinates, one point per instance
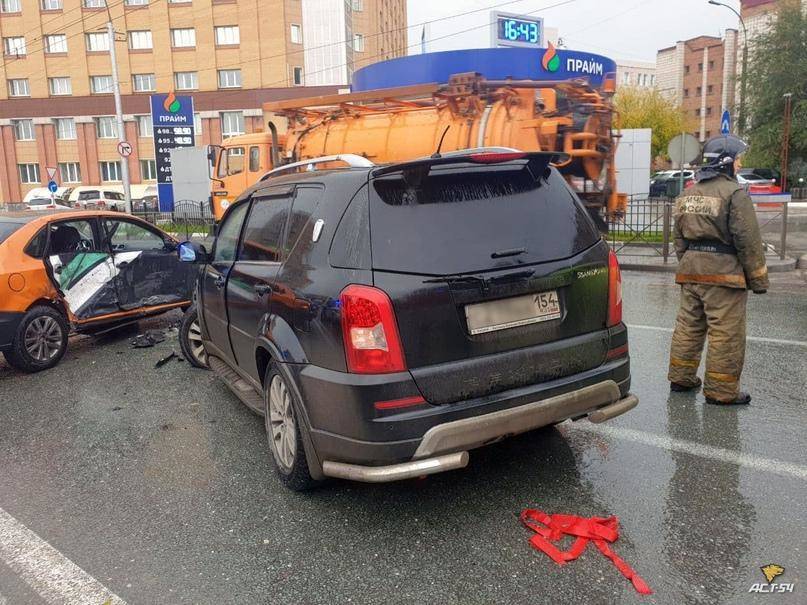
(89, 195)
(460, 220)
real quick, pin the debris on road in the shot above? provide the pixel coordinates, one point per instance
(601, 530)
(165, 360)
(149, 338)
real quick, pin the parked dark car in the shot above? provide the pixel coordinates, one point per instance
(668, 183)
(769, 174)
(387, 319)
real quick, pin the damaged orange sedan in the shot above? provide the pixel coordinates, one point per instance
(83, 271)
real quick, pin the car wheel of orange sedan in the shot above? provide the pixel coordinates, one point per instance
(40, 340)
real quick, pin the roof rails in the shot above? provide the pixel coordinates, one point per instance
(351, 159)
(479, 155)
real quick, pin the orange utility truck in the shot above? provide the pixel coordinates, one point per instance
(395, 124)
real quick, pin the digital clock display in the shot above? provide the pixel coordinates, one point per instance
(519, 30)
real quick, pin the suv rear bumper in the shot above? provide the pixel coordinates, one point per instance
(444, 446)
(353, 439)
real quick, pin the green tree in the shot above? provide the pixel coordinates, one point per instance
(778, 65)
(648, 108)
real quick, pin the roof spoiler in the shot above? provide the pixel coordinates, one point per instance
(537, 160)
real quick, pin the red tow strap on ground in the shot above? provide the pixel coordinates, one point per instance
(551, 528)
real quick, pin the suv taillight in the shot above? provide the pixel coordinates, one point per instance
(614, 291)
(369, 331)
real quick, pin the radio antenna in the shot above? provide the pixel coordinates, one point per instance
(436, 155)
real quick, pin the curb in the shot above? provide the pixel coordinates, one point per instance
(802, 264)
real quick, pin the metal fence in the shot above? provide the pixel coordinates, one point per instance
(646, 230)
(188, 220)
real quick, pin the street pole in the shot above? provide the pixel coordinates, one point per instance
(744, 79)
(124, 162)
(786, 139)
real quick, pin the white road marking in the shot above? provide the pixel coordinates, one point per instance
(767, 465)
(52, 575)
(776, 341)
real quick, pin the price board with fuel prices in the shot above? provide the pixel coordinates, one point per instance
(172, 119)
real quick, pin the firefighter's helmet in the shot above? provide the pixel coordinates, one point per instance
(720, 152)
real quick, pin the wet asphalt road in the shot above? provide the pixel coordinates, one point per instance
(157, 483)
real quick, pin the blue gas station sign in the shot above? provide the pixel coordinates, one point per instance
(493, 63)
(172, 119)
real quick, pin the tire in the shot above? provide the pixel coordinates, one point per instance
(190, 338)
(40, 340)
(283, 433)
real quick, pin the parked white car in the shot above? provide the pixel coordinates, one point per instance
(100, 199)
(45, 204)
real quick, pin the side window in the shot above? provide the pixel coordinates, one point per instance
(124, 236)
(36, 247)
(227, 238)
(231, 162)
(263, 234)
(305, 204)
(71, 236)
(254, 159)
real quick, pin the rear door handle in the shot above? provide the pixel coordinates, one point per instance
(262, 289)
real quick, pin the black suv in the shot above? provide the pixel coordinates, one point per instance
(387, 319)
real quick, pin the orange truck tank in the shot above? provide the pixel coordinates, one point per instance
(404, 123)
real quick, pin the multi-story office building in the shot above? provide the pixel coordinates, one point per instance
(636, 73)
(699, 74)
(56, 106)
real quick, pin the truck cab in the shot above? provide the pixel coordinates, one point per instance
(239, 163)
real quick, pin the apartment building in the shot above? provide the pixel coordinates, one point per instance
(699, 74)
(56, 103)
(641, 74)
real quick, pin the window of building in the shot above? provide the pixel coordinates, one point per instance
(232, 123)
(136, 2)
(140, 40)
(686, 69)
(97, 42)
(101, 84)
(14, 46)
(698, 112)
(18, 87)
(652, 80)
(10, 6)
(144, 83)
(145, 128)
(179, 1)
(708, 111)
(186, 80)
(227, 35)
(686, 92)
(197, 124)
(700, 66)
(698, 91)
(94, 3)
(297, 76)
(60, 86)
(711, 64)
(107, 127)
(229, 78)
(708, 134)
(296, 34)
(110, 171)
(23, 130)
(358, 6)
(51, 5)
(709, 89)
(183, 38)
(358, 43)
(29, 173)
(65, 129)
(70, 172)
(148, 170)
(56, 43)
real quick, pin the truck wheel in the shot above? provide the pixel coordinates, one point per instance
(40, 340)
(190, 338)
(283, 433)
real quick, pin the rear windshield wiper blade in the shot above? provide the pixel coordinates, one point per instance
(456, 279)
(506, 253)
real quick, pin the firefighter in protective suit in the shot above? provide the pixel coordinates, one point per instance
(720, 258)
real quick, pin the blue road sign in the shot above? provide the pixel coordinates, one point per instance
(172, 119)
(52, 186)
(725, 122)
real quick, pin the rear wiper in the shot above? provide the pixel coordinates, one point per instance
(457, 279)
(510, 252)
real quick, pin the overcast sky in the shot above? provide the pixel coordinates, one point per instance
(619, 29)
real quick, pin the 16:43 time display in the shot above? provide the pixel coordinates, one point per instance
(517, 30)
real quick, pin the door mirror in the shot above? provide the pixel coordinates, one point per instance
(191, 252)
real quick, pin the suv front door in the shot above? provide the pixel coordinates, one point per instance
(214, 278)
(259, 259)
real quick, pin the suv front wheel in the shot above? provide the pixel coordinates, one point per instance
(283, 431)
